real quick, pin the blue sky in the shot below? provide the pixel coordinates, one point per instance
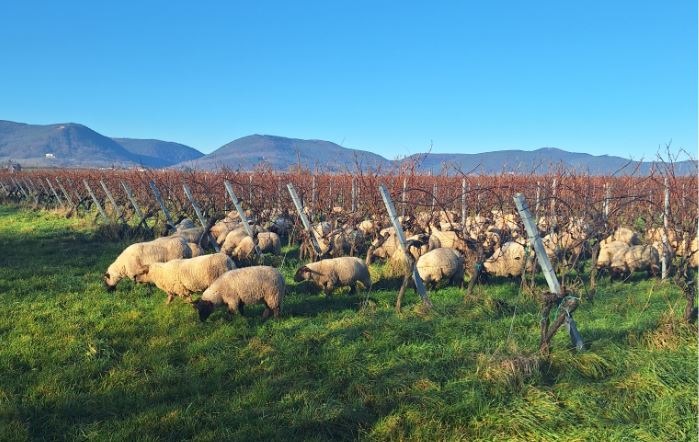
(601, 77)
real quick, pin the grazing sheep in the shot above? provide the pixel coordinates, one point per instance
(442, 263)
(185, 224)
(627, 261)
(195, 249)
(322, 229)
(182, 277)
(448, 239)
(508, 260)
(223, 227)
(137, 257)
(234, 237)
(240, 287)
(269, 242)
(191, 235)
(607, 251)
(329, 274)
(367, 227)
(623, 234)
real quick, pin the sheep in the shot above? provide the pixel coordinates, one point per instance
(627, 261)
(222, 228)
(607, 251)
(367, 227)
(322, 229)
(439, 264)
(137, 257)
(182, 277)
(267, 242)
(239, 287)
(623, 234)
(234, 237)
(329, 274)
(185, 224)
(508, 260)
(190, 234)
(449, 239)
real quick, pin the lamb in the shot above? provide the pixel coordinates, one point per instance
(182, 277)
(329, 274)
(137, 257)
(508, 260)
(239, 287)
(627, 261)
(439, 264)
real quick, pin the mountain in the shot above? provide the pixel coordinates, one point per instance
(75, 145)
(281, 153)
(547, 159)
(157, 153)
(60, 145)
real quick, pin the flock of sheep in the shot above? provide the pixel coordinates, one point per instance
(437, 243)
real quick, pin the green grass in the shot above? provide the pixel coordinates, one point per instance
(78, 363)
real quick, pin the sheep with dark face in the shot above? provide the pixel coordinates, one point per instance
(136, 258)
(240, 287)
(330, 274)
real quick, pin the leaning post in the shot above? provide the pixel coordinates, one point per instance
(390, 208)
(200, 215)
(160, 201)
(567, 304)
(117, 210)
(304, 219)
(96, 201)
(241, 213)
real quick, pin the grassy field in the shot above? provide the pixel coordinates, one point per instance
(78, 363)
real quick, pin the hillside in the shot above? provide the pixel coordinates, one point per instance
(542, 160)
(67, 145)
(281, 153)
(157, 153)
(75, 145)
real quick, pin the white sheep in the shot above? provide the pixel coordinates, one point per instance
(634, 258)
(607, 251)
(508, 260)
(137, 257)
(329, 274)
(182, 277)
(240, 287)
(442, 263)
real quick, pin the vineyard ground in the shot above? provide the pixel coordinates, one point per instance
(78, 363)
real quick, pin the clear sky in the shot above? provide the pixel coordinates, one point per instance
(603, 77)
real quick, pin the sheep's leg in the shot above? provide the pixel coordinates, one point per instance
(327, 288)
(241, 307)
(276, 311)
(353, 289)
(266, 312)
(170, 297)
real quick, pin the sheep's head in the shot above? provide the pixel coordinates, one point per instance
(302, 274)
(110, 282)
(204, 308)
(143, 277)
